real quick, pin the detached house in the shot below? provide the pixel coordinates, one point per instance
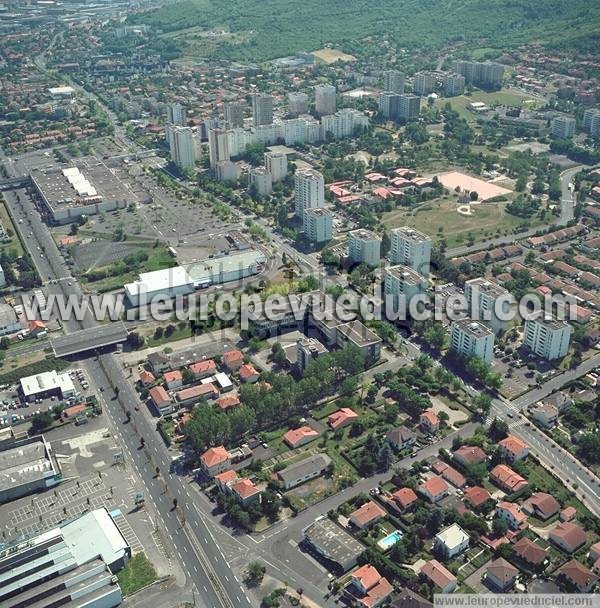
(513, 449)
(215, 460)
(429, 422)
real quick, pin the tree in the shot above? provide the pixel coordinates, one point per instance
(74, 229)
(242, 421)
(499, 527)
(255, 573)
(208, 426)
(41, 421)
(188, 376)
(278, 354)
(483, 402)
(270, 504)
(435, 335)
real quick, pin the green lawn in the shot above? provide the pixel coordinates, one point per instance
(138, 573)
(14, 243)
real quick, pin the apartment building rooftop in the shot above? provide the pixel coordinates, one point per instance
(473, 328)
(487, 287)
(364, 235)
(411, 234)
(547, 321)
(406, 274)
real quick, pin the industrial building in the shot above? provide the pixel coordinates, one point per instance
(9, 323)
(26, 465)
(87, 188)
(72, 565)
(47, 384)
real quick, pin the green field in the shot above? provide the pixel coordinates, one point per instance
(488, 219)
(14, 243)
(138, 573)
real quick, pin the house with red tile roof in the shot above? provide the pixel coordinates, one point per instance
(36, 327)
(506, 479)
(74, 410)
(578, 576)
(193, 394)
(233, 359)
(594, 553)
(225, 479)
(568, 536)
(160, 400)
(203, 369)
(173, 379)
(372, 588)
(367, 515)
(215, 460)
(300, 436)
(248, 373)
(343, 417)
(501, 575)
(541, 505)
(146, 377)
(404, 499)
(245, 491)
(531, 553)
(469, 455)
(512, 515)
(226, 402)
(439, 576)
(477, 496)
(513, 449)
(449, 473)
(568, 514)
(434, 489)
(429, 422)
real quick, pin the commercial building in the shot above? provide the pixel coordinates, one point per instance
(234, 114)
(218, 146)
(547, 337)
(317, 225)
(401, 284)
(297, 103)
(9, 323)
(168, 283)
(562, 127)
(262, 109)
(176, 114)
(325, 99)
(591, 121)
(183, 148)
(72, 565)
(262, 181)
(309, 190)
(47, 384)
(393, 81)
(26, 466)
(333, 543)
(411, 248)
(364, 247)
(488, 302)
(472, 339)
(276, 164)
(454, 84)
(424, 83)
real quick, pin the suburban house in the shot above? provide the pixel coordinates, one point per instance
(248, 373)
(226, 402)
(193, 394)
(567, 514)
(545, 414)
(568, 536)
(161, 400)
(500, 575)
(559, 400)
(372, 588)
(367, 515)
(146, 378)
(578, 576)
(434, 489)
(449, 473)
(429, 422)
(407, 598)
(302, 471)
(541, 505)
(203, 369)
(513, 449)
(300, 436)
(451, 541)
(594, 554)
(225, 479)
(404, 499)
(531, 553)
(343, 417)
(233, 360)
(401, 438)
(506, 479)
(477, 496)
(215, 460)
(173, 379)
(439, 576)
(245, 491)
(469, 455)
(512, 515)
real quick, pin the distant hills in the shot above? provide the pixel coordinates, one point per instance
(266, 29)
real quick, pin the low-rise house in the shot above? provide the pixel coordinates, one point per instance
(541, 505)
(215, 460)
(226, 402)
(160, 400)
(401, 438)
(193, 394)
(373, 589)
(512, 514)
(203, 369)
(159, 362)
(146, 378)
(500, 575)
(245, 491)
(434, 489)
(506, 479)
(404, 499)
(449, 473)
(343, 417)
(594, 554)
(300, 436)
(545, 415)
(477, 496)
(233, 360)
(529, 552)
(248, 373)
(439, 576)
(225, 479)
(303, 471)
(429, 422)
(367, 515)
(568, 536)
(513, 449)
(173, 379)
(568, 514)
(561, 401)
(407, 598)
(451, 541)
(469, 454)
(223, 381)
(576, 575)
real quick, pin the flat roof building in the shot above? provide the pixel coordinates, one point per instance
(364, 247)
(411, 248)
(547, 337)
(317, 225)
(488, 302)
(401, 284)
(472, 339)
(47, 384)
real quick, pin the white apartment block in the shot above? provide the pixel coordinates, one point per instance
(318, 225)
(234, 115)
(309, 191)
(218, 146)
(454, 84)
(176, 114)
(411, 248)
(227, 171)
(393, 81)
(262, 109)
(487, 302)
(547, 337)
(591, 121)
(262, 180)
(562, 127)
(424, 83)
(276, 164)
(297, 103)
(325, 99)
(343, 123)
(302, 130)
(402, 284)
(183, 148)
(472, 339)
(364, 247)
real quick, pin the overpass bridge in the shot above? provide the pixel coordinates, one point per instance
(14, 182)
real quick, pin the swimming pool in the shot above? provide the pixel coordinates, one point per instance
(390, 540)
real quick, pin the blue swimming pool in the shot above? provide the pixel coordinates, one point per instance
(390, 540)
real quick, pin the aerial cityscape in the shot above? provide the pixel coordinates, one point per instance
(299, 303)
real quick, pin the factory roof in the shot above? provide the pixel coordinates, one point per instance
(46, 381)
(24, 461)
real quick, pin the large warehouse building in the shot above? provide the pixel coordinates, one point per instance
(71, 566)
